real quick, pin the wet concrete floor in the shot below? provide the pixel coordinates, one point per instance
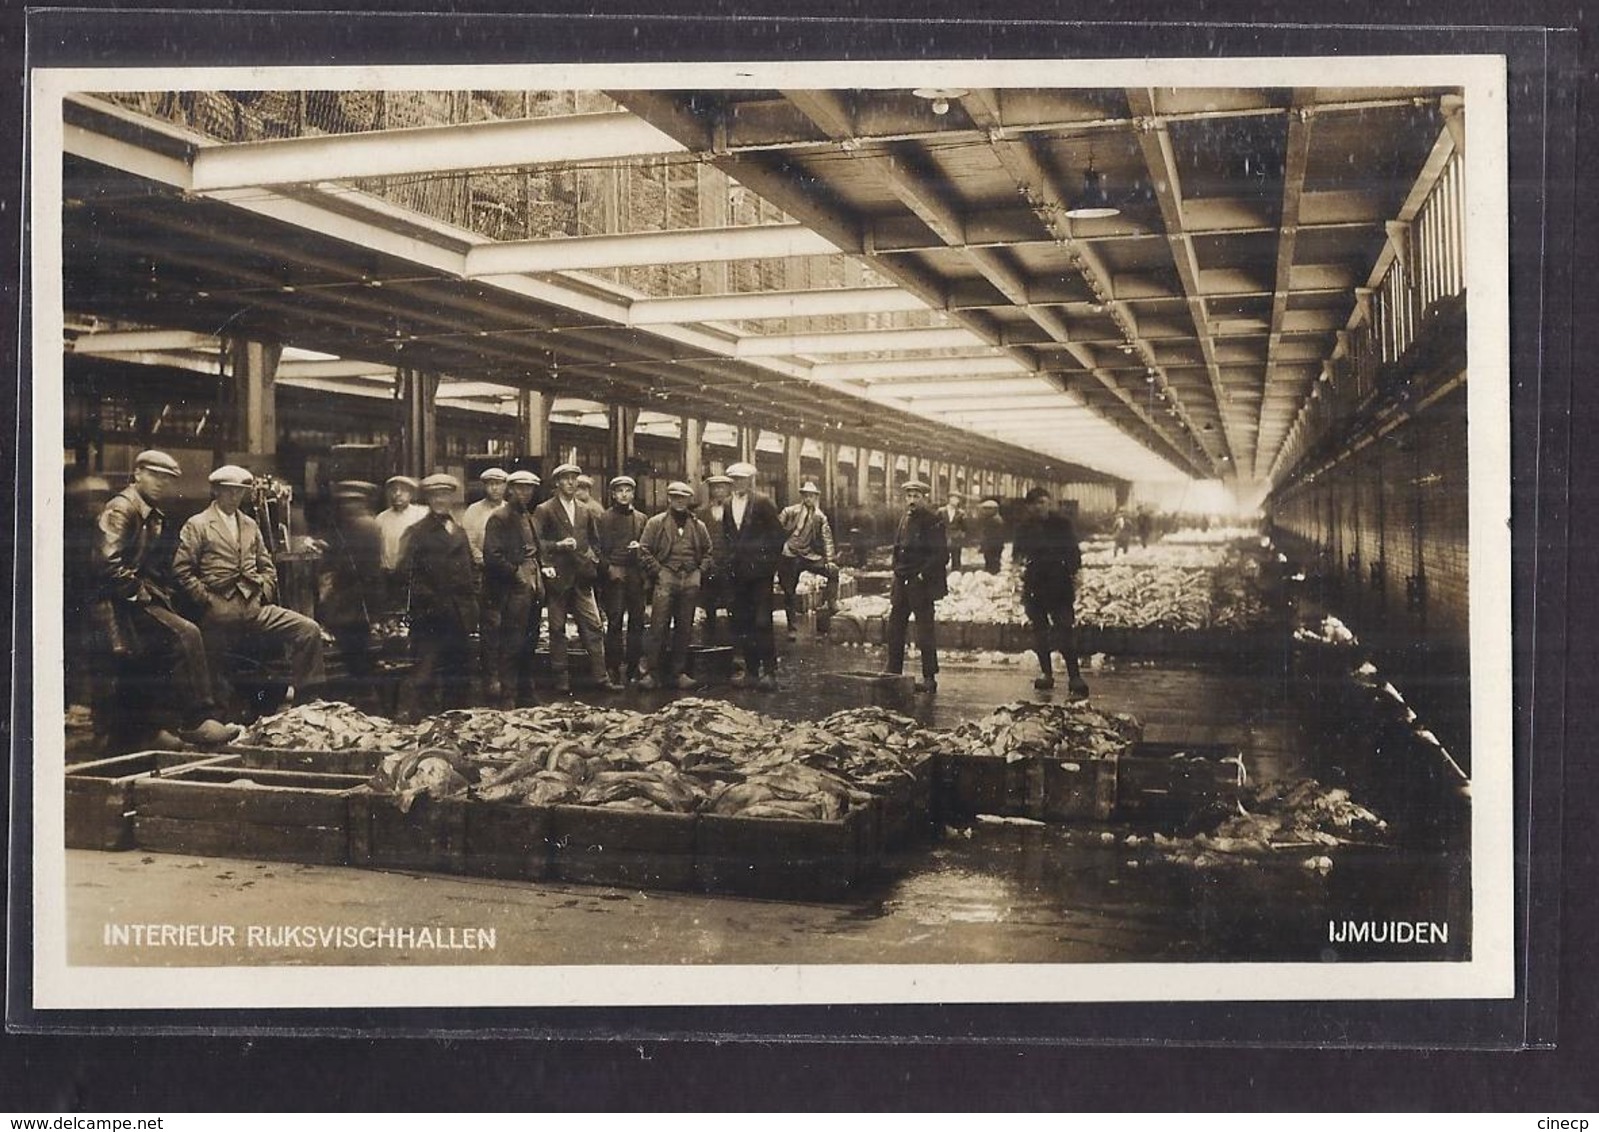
(993, 892)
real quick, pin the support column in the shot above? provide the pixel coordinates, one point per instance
(792, 447)
(620, 445)
(829, 484)
(749, 437)
(691, 431)
(890, 471)
(533, 425)
(255, 419)
(419, 430)
(863, 475)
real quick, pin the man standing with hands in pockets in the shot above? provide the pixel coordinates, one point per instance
(569, 539)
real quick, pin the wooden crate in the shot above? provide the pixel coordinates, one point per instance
(1172, 781)
(710, 664)
(779, 859)
(313, 761)
(975, 784)
(507, 842)
(907, 807)
(250, 812)
(99, 798)
(429, 837)
(625, 848)
(1078, 790)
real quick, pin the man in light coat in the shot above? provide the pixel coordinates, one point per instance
(223, 566)
(807, 550)
(569, 537)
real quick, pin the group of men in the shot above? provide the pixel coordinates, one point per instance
(508, 566)
(185, 615)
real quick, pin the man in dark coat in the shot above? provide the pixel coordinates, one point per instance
(513, 595)
(755, 539)
(353, 580)
(136, 613)
(569, 539)
(717, 575)
(1046, 543)
(921, 553)
(991, 534)
(626, 585)
(673, 546)
(437, 562)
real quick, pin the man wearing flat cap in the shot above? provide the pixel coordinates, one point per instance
(393, 522)
(136, 611)
(921, 553)
(673, 547)
(625, 588)
(716, 577)
(513, 596)
(437, 567)
(476, 517)
(755, 541)
(227, 572)
(808, 549)
(569, 537)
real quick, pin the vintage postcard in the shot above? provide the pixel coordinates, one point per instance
(963, 531)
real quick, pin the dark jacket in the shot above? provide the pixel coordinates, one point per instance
(573, 568)
(353, 572)
(755, 546)
(921, 555)
(720, 560)
(656, 541)
(510, 552)
(1051, 556)
(438, 565)
(956, 525)
(990, 531)
(132, 558)
(617, 528)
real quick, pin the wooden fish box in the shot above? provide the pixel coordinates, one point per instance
(624, 848)
(507, 842)
(978, 784)
(99, 799)
(782, 859)
(875, 630)
(1172, 781)
(1078, 789)
(906, 807)
(237, 811)
(710, 664)
(429, 837)
(983, 636)
(877, 689)
(311, 761)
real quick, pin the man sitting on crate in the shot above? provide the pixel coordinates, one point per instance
(807, 550)
(674, 547)
(1046, 542)
(226, 570)
(135, 612)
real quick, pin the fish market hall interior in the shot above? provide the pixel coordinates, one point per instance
(907, 387)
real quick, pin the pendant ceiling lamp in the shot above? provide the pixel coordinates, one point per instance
(1092, 202)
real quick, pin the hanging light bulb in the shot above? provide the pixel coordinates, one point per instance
(1092, 203)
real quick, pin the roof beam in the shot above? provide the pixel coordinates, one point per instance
(901, 368)
(1295, 161)
(772, 304)
(857, 342)
(1155, 142)
(609, 136)
(639, 249)
(139, 341)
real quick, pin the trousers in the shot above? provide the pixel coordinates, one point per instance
(905, 602)
(1052, 619)
(751, 601)
(626, 599)
(576, 602)
(173, 649)
(510, 637)
(672, 608)
(442, 673)
(234, 621)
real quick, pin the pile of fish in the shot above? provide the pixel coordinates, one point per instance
(1063, 731)
(691, 756)
(1192, 536)
(1160, 554)
(323, 726)
(1144, 597)
(1281, 817)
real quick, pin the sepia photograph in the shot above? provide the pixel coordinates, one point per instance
(787, 533)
